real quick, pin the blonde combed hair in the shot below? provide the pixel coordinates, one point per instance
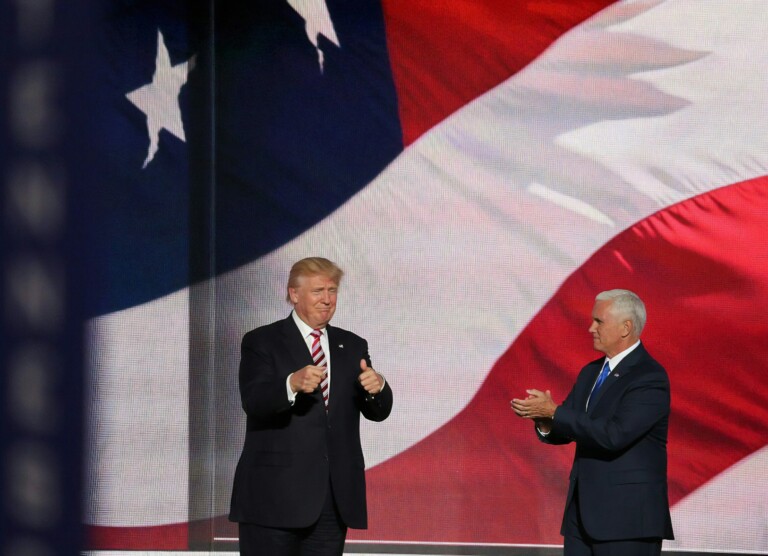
(312, 266)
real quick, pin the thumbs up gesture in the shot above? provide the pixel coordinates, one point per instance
(370, 379)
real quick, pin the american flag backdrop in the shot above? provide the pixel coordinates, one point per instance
(480, 169)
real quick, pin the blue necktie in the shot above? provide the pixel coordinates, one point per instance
(600, 379)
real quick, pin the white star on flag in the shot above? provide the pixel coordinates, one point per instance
(318, 21)
(159, 100)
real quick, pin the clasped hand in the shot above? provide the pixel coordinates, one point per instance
(307, 379)
(538, 405)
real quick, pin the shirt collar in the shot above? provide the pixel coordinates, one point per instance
(616, 359)
(304, 328)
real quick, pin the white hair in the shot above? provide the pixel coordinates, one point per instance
(626, 304)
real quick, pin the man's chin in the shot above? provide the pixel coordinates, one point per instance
(324, 318)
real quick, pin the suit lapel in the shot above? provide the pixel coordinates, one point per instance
(587, 397)
(295, 344)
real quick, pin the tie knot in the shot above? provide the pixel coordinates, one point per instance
(316, 333)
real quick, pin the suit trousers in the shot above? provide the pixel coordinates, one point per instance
(323, 538)
(578, 543)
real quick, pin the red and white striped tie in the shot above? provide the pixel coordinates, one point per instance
(318, 357)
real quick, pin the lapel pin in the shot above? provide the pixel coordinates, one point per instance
(341, 346)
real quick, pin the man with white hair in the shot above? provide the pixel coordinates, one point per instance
(617, 413)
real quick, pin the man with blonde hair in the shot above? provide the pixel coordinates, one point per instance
(617, 414)
(300, 481)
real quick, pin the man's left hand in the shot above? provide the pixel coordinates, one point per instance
(370, 379)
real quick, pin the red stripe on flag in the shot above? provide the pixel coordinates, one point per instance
(443, 56)
(174, 536)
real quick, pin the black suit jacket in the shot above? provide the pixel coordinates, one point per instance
(290, 451)
(620, 465)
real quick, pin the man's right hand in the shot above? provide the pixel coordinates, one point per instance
(307, 379)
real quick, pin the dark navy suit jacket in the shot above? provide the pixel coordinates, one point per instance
(620, 465)
(290, 451)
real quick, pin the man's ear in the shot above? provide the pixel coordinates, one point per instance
(628, 327)
(293, 295)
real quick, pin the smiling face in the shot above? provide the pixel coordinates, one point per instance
(611, 333)
(314, 299)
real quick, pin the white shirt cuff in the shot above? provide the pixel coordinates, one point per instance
(291, 393)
